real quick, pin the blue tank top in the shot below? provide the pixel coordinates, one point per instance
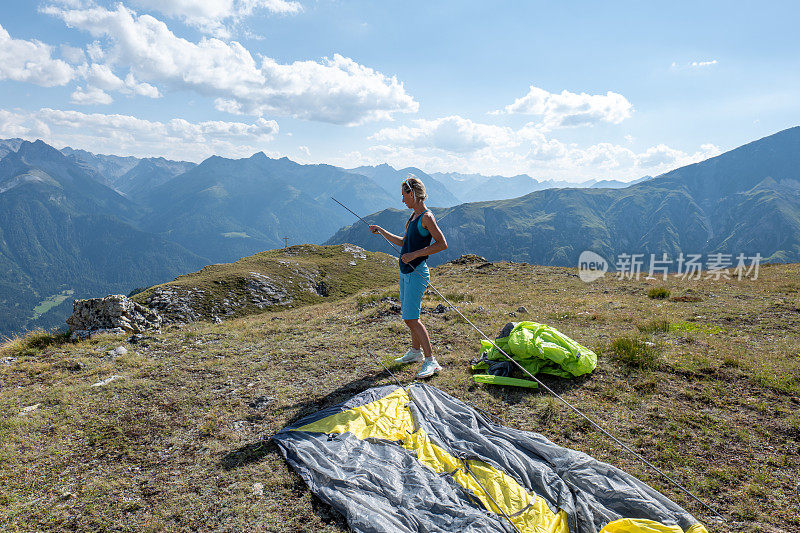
(416, 238)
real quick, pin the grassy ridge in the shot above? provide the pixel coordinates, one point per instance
(343, 270)
(706, 389)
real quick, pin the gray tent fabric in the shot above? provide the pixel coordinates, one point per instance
(381, 486)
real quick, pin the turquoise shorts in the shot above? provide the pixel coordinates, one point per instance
(412, 287)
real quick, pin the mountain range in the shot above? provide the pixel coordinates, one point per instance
(478, 188)
(75, 224)
(745, 201)
(65, 235)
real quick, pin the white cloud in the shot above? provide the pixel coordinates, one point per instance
(101, 76)
(139, 87)
(21, 125)
(458, 144)
(701, 64)
(452, 134)
(336, 90)
(602, 157)
(214, 16)
(693, 65)
(73, 54)
(32, 62)
(570, 109)
(90, 96)
(129, 135)
(659, 155)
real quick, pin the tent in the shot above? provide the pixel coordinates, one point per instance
(395, 459)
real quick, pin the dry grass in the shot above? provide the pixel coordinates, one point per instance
(177, 441)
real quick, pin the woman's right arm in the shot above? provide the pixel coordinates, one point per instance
(391, 237)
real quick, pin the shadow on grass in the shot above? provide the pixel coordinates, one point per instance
(254, 451)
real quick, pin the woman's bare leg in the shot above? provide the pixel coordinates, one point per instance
(419, 336)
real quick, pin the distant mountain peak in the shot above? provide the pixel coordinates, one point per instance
(39, 150)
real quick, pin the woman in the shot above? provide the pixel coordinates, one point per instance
(416, 244)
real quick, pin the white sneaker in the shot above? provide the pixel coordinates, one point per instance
(411, 356)
(429, 368)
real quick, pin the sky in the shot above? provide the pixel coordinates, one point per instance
(556, 90)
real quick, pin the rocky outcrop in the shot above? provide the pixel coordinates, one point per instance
(273, 280)
(466, 259)
(264, 291)
(177, 304)
(112, 314)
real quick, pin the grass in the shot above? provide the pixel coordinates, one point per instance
(174, 443)
(658, 293)
(635, 352)
(51, 302)
(656, 326)
(32, 343)
(300, 270)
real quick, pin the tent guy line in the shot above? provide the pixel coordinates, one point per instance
(554, 393)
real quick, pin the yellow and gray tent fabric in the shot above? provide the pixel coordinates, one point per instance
(412, 459)
(538, 348)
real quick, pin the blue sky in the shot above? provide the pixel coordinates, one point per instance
(569, 90)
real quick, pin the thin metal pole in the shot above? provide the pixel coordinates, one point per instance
(466, 467)
(553, 393)
(385, 368)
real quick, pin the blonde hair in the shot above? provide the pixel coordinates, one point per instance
(416, 185)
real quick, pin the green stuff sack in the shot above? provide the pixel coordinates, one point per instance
(503, 380)
(541, 348)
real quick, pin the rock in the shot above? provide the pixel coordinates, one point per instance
(112, 314)
(439, 309)
(522, 309)
(265, 292)
(26, 410)
(321, 288)
(261, 402)
(83, 334)
(74, 366)
(258, 489)
(468, 258)
(356, 251)
(137, 338)
(176, 304)
(106, 381)
(512, 314)
(120, 350)
(239, 425)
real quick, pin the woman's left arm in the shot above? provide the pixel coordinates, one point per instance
(439, 242)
